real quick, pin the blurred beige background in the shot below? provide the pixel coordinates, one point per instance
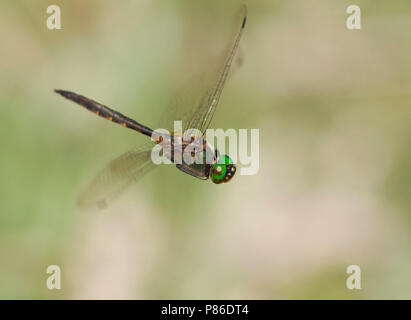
(334, 186)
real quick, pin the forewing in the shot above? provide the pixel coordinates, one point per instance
(197, 98)
(205, 111)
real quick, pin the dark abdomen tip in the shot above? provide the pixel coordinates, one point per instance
(64, 93)
(244, 21)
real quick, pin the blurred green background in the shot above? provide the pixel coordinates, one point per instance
(334, 185)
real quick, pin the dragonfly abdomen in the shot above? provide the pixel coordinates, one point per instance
(105, 112)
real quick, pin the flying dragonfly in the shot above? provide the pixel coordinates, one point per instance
(131, 166)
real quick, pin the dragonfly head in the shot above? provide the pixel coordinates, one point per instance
(223, 170)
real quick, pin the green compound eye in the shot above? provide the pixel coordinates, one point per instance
(218, 173)
(225, 160)
(223, 170)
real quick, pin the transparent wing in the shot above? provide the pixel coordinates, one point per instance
(179, 106)
(196, 98)
(205, 111)
(116, 177)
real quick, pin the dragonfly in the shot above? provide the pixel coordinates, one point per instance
(125, 170)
